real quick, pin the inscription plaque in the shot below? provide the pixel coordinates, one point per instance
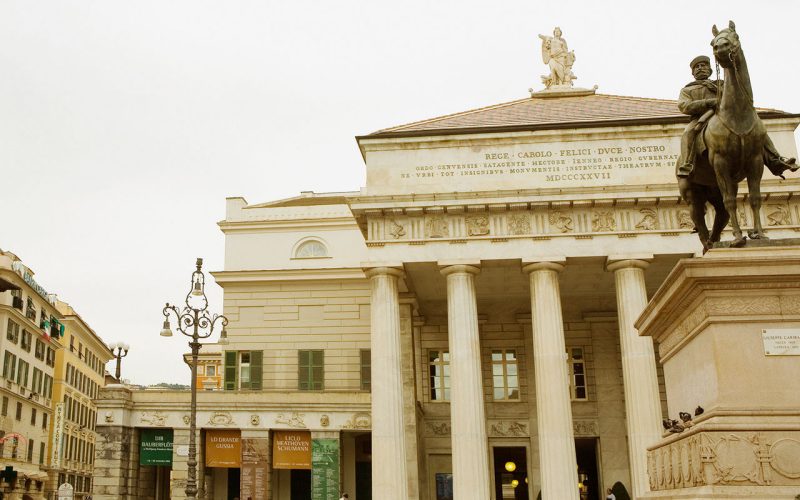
(781, 342)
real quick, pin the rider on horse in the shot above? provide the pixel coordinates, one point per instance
(699, 100)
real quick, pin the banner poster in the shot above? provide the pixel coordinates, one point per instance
(155, 447)
(255, 469)
(223, 448)
(325, 469)
(58, 435)
(291, 450)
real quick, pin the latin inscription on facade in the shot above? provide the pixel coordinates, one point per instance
(526, 166)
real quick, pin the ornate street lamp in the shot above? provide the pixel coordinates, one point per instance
(195, 322)
(119, 350)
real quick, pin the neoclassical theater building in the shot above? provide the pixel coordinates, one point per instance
(462, 327)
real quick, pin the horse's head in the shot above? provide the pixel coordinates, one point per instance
(725, 44)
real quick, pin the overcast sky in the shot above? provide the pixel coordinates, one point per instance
(124, 125)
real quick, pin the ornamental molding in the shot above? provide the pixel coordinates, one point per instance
(154, 418)
(504, 428)
(359, 420)
(435, 428)
(295, 419)
(581, 428)
(220, 418)
(769, 458)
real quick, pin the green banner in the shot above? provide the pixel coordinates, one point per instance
(155, 447)
(324, 469)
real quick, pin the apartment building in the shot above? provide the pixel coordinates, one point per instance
(33, 332)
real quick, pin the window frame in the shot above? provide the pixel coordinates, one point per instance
(574, 374)
(503, 363)
(365, 364)
(315, 360)
(444, 376)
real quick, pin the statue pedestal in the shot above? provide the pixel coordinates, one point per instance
(720, 322)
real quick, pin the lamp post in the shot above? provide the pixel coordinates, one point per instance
(197, 323)
(119, 350)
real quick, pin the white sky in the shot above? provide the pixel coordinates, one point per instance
(124, 125)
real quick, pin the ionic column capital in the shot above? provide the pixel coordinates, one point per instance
(458, 268)
(371, 272)
(548, 265)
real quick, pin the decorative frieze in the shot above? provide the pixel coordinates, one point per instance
(726, 458)
(360, 420)
(504, 428)
(294, 419)
(154, 418)
(220, 418)
(585, 428)
(577, 218)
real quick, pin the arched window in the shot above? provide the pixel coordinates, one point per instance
(310, 249)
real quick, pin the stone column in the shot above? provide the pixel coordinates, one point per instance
(557, 461)
(389, 473)
(642, 399)
(467, 415)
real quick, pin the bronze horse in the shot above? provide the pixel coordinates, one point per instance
(734, 137)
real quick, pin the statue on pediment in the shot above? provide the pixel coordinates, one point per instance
(560, 60)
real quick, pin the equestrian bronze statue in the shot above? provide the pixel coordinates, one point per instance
(725, 143)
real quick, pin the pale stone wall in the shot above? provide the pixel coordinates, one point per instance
(281, 318)
(116, 466)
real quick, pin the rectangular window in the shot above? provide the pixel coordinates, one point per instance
(505, 378)
(26, 341)
(44, 420)
(577, 372)
(33, 416)
(311, 370)
(36, 382)
(5, 406)
(22, 373)
(439, 373)
(19, 411)
(51, 357)
(366, 370)
(244, 370)
(39, 350)
(30, 450)
(12, 333)
(9, 365)
(30, 310)
(231, 370)
(211, 371)
(41, 453)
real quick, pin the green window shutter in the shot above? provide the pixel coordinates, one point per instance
(303, 369)
(318, 370)
(256, 369)
(366, 370)
(230, 370)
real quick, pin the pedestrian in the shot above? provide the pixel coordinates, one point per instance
(344, 497)
(610, 495)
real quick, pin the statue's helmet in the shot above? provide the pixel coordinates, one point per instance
(699, 59)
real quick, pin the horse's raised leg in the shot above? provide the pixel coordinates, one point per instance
(729, 188)
(754, 186)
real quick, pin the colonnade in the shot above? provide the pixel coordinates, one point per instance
(470, 446)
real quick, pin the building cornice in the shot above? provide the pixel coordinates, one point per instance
(267, 275)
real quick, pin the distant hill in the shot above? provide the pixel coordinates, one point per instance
(174, 387)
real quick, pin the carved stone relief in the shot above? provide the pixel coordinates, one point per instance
(360, 420)
(649, 220)
(155, 418)
(685, 220)
(519, 224)
(603, 221)
(436, 227)
(560, 221)
(186, 419)
(438, 428)
(585, 428)
(477, 225)
(255, 420)
(220, 418)
(508, 429)
(778, 215)
(324, 421)
(397, 230)
(295, 419)
(726, 458)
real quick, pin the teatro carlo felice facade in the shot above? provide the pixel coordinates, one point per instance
(471, 307)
